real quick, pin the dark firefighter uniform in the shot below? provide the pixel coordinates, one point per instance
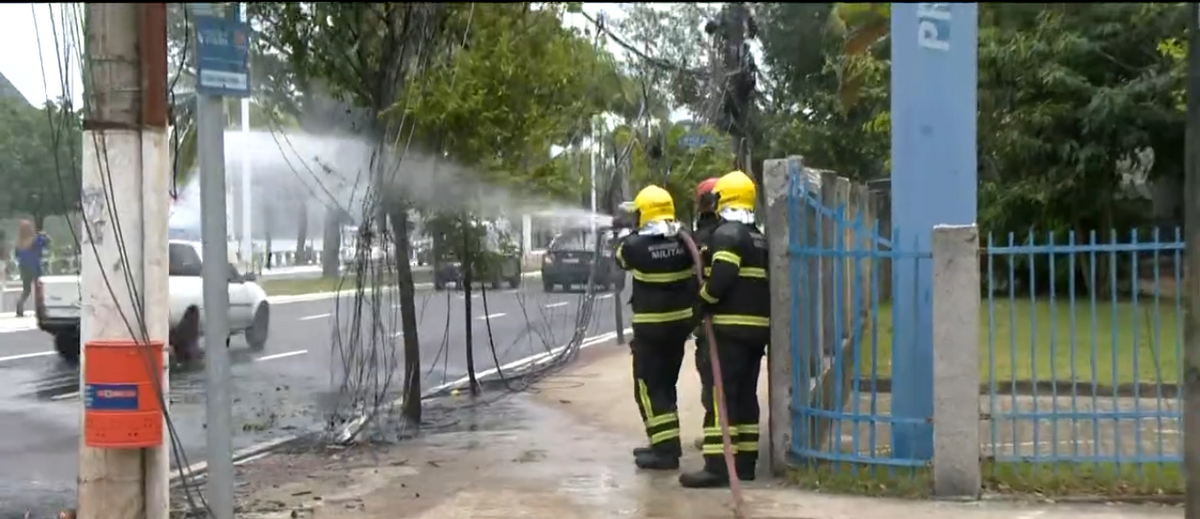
(706, 222)
(736, 296)
(664, 288)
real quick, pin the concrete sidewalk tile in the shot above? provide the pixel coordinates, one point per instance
(562, 452)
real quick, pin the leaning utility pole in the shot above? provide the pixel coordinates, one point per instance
(1191, 359)
(734, 109)
(123, 465)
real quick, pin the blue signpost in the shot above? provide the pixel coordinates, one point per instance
(934, 51)
(222, 52)
(692, 140)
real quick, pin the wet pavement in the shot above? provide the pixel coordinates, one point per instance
(562, 452)
(282, 391)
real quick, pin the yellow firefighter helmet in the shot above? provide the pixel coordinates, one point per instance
(654, 203)
(735, 190)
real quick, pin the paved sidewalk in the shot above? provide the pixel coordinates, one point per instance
(9, 322)
(562, 452)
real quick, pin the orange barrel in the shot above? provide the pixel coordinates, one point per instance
(121, 401)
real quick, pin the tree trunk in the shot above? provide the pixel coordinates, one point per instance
(302, 229)
(408, 316)
(331, 257)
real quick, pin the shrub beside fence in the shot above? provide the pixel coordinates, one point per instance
(1056, 356)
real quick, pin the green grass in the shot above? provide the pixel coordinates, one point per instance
(1106, 481)
(1038, 341)
(857, 479)
(291, 287)
(1109, 480)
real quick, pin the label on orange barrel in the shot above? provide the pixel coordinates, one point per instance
(111, 397)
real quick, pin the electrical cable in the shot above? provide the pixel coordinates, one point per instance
(141, 332)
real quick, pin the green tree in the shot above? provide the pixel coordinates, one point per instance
(520, 84)
(39, 159)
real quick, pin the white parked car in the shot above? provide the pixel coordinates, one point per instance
(58, 304)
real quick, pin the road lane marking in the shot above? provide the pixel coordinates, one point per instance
(311, 317)
(490, 316)
(68, 396)
(304, 298)
(24, 356)
(283, 355)
(556, 305)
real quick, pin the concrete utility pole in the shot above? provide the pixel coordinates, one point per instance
(125, 180)
(1191, 359)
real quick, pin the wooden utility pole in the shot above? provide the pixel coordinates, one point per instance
(125, 183)
(1191, 356)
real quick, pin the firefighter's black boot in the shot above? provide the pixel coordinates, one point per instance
(655, 460)
(746, 464)
(713, 475)
(638, 451)
(642, 451)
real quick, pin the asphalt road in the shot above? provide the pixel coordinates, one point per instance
(281, 391)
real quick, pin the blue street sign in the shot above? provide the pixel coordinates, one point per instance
(693, 140)
(223, 56)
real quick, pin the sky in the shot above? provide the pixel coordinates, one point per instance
(22, 27)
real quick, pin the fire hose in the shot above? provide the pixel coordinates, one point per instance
(735, 485)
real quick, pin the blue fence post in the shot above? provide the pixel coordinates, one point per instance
(778, 190)
(933, 106)
(956, 302)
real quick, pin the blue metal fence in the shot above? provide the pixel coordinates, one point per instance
(842, 332)
(1084, 342)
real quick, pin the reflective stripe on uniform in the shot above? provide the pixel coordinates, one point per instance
(662, 419)
(740, 320)
(620, 258)
(745, 447)
(752, 272)
(662, 317)
(705, 296)
(728, 257)
(644, 399)
(663, 277)
(669, 434)
(744, 272)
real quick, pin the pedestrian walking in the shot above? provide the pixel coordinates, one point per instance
(30, 244)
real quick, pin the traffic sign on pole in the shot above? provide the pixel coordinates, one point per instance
(693, 140)
(222, 55)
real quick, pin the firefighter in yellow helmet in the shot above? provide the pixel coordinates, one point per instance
(736, 295)
(664, 293)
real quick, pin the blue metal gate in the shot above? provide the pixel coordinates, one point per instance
(840, 270)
